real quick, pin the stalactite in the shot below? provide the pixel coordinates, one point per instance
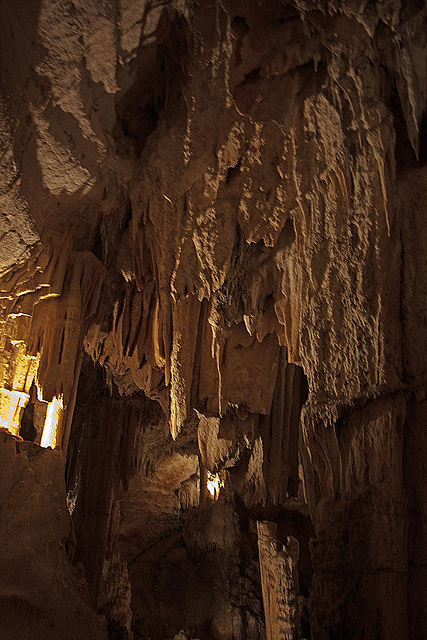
(212, 308)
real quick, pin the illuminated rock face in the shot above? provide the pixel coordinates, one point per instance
(222, 206)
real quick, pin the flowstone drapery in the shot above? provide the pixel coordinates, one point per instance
(212, 301)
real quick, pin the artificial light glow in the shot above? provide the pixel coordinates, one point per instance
(214, 484)
(39, 392)
(53, 416)
(12, 316)
(11, 405)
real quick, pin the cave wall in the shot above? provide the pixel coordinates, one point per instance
(41, 594)
(223, 206)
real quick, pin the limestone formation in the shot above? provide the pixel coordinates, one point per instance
(213, 308)
(41, 594)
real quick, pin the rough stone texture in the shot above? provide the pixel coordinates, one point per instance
(223, 205)
(279, 574)
(41, 594)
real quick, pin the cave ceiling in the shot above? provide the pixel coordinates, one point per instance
(213, 308)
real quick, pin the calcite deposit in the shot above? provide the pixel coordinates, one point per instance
(213, 308)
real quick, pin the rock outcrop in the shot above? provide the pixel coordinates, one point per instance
(222, 205)
(41, 594)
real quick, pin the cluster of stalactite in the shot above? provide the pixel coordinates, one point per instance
(212, 301)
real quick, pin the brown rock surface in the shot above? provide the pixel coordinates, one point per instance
(41, 594)
(223, 205)
(279, 574)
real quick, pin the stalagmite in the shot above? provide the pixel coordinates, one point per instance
(279, 576)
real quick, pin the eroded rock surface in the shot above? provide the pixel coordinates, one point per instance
(222, 204)
(41, 594)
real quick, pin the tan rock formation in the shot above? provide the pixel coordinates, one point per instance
(222, 204)
(279, 575)
(41, 595)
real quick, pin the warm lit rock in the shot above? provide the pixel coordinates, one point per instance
(213, 304)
